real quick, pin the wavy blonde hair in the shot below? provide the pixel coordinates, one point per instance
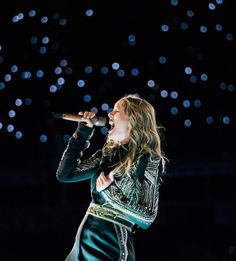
(145, 135)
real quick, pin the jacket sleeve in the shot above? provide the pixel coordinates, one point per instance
(71, 168)
(137, 195)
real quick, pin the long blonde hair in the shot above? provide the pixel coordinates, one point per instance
(144, 132)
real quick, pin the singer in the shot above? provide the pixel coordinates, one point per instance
(125, 175)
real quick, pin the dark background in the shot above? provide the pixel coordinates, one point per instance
(39, 216)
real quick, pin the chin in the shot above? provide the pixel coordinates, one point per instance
(116, 137)
(110, 137)
(117, 141)
(113, 138)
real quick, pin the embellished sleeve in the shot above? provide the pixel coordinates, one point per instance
(136, 196)
(71, 167)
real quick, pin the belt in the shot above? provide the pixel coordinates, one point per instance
(110, 215)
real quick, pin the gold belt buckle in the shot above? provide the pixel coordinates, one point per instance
(103, 212)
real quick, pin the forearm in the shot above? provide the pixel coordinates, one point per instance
(70, 159)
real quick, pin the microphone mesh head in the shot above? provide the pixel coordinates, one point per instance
(57, 115)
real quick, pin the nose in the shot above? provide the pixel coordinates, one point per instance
(110, 114)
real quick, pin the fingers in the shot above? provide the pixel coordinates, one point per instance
(102, 177)
(103, 182)
(87, 114)
(111, 176)
(86, 117)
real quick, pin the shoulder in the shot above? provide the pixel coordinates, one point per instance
(146, 165)
(147, 157)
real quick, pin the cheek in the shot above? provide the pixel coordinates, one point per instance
(122, 126)
(126, 127)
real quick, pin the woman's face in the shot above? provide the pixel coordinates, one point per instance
(119, 122)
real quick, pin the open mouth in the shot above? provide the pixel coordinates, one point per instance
(112, 125)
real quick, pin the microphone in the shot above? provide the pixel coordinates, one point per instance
(97, 121)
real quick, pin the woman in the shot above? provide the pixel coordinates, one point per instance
(125, 177)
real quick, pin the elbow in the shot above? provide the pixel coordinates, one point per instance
(147, 221)
(143, 225)
(142, 222)
(61, 177)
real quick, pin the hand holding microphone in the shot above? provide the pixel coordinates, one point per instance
(88, 117)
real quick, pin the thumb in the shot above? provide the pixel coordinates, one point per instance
(111, 176)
